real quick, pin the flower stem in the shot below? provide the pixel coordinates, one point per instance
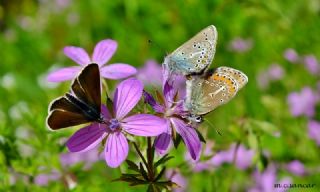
(141, 156)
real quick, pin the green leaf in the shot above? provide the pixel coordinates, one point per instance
(143, 172)
(160, 174)
(163, 160)
(253, 141)
(132, 166)
(264, 126)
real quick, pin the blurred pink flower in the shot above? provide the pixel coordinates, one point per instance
(198, 165)
(240, 45)
(265, 181)
(102, 53)
(241, 156)
(45, 178)
(303, 103)
(312, 64)
(88, 158)
(175, 176)
(291, 55)
(150, 73)
(296, 167)
(276, 72)
(273, 73)
(314, 131)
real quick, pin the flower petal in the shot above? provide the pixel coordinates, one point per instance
(144, 125)
(117, 71)
(63, 74)
(152, 102)
(105, 112)
(77, 54)
(168, 92)
(163, 141)
(189, 136)
(127, 95)
(104, 51)
(86, 138)
(116, 150)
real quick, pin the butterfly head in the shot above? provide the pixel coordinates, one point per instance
(194, 118)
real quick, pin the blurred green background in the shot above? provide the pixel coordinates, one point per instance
(33, 33)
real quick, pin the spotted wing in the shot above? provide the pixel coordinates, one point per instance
(206, 94)
(239, 76)
(195, 55)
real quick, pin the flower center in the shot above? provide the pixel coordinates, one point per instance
(114, 124)
(169, 112)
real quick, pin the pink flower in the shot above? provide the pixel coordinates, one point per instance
(312, 65)
(296, 167)
(291, 55)
(150, 73)
(240, 155)
(265, 181)
(172, 113)
(303, 103)
(176, 177)
(314, 131)
(127, 95)
(102, 53)
(240, 45)
(273, 73)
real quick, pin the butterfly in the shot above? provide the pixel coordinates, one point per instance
(208, 91)
(195, 55)
(81, 105)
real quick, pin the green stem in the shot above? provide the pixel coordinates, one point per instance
(141, 156)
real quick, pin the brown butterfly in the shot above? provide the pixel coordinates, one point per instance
(81, 105)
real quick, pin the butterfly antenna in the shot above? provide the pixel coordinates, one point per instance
(161, 48)
(207, 121)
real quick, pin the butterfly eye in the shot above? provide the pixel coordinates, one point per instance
(198, 119)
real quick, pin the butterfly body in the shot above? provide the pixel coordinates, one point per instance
(195, 55)
(82, 105)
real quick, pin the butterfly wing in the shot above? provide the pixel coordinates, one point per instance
(239, 76)
(81, 108)
(195, 55)
(63, 113)
(206, 94)
(87, 86)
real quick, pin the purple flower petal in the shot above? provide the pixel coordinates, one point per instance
(63, 74)
(117, 71)
(152, 102)
(116, 150)
(163, 141)
(189, 136)
(168, 92)
(127, 95)
(77, 54)
(103, 51)
(86, 138)
(105, 112)
(144, 125)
